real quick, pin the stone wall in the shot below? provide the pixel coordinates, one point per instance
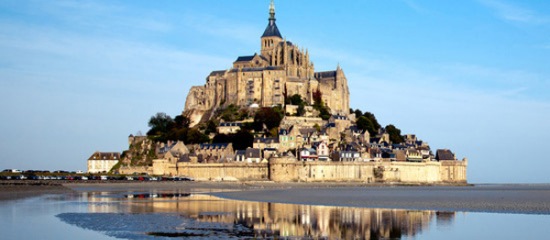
(290, 170)
(224, 171)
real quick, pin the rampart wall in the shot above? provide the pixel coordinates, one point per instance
(290, 170)
(224, 171)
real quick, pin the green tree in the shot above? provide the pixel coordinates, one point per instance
(296, 99)
(195, 136)
(270, 117)
(358, 113)
(395, 134)
(181, 121)
(161, 125)
(372, 118)
(364, 123)
(319, 105)
(241, 140)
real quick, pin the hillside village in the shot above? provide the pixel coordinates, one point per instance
(271, 116)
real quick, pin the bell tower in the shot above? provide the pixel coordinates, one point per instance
(271, 36)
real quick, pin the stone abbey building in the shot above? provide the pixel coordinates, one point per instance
(281, 69)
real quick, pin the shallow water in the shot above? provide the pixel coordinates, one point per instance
(170, 215)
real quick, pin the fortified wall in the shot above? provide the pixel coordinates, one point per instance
(290, 170)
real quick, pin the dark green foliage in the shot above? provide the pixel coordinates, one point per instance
(324, 111)
(232, 113)
(240, 140)
(270, 117)
(296, 99)
(301, 110)
(211, 126)
(395, 134)
(164, 128)
(364, 123)
(195, 136)
(372, 118)
(358, 113)
(181, 121)
(160, 124)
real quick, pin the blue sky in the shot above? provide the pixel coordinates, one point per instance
(472, 75)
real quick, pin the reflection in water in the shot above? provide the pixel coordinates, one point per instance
(271, 219)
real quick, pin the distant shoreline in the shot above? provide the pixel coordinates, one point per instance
(494, 198)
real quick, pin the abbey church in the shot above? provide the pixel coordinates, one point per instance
(281, 69)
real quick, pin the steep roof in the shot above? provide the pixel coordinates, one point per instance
(245, 58)
(444, 154)
(105, 156)
(271, 30)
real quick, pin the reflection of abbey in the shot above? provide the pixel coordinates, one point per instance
(281, 69)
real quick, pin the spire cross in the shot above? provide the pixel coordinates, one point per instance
(272, 11)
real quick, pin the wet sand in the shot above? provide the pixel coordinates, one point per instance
(524, 199)
(497, 198)
(513, 198)
(13, 190)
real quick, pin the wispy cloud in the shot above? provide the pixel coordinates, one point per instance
(515, 13)
(415, 6)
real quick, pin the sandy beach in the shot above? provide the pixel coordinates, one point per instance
(514, 198)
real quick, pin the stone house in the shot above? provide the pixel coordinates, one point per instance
(323, 151)
(308, 154)
(287, 138)
(346, 156)
(444, 155)
(414, 155)
(341, 122)
(253, 155)
(172, 151)
(229, 127)
(102, 162)
(266, 142)
(217, 150)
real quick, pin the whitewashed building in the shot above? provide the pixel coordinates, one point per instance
(101, 162)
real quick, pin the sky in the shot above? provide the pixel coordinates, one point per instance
(473, 76)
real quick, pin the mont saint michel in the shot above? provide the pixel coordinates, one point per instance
(272, 117)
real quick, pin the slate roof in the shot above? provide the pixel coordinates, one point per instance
(266, 140)
(327, 74)
(213, 145)
(444, 154)
(245, 58)
(271, 30)
(217, 73)
(252, 153)
(231, 124)
(104, 156)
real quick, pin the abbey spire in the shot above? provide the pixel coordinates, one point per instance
(272, 30)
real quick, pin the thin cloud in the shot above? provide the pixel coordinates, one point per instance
(515, 13)
(415, 6)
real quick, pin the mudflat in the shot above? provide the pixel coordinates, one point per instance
(13, 190)
(514, 198)
(498, 198)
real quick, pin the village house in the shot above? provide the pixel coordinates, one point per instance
(229, 127)
(253, 155)
(207, 151)
(102, 162)
(341, 122)
(308, 154)
(172, 151)
(266, 142)
(444, 155)
(323, 151)
(287, 138)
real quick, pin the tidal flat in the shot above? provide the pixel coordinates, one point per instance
(221, 210)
